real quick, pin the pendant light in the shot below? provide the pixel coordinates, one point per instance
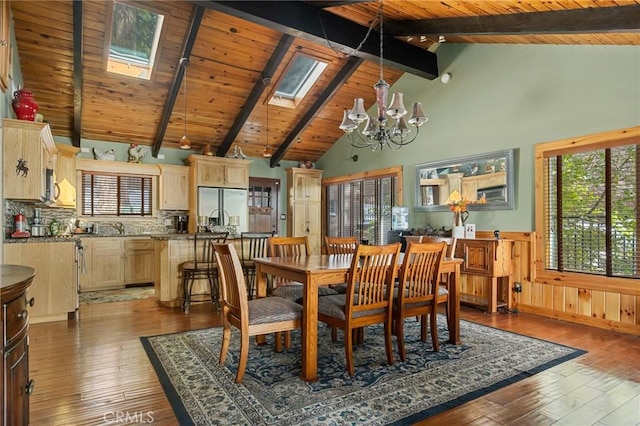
(185, 142)
(267, 153)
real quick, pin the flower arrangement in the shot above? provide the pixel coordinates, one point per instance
(458, 206)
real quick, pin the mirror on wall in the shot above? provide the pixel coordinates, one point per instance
(486, 180)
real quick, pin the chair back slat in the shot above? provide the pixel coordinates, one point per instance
(371, 277)
(203, 252)
(341, 245)
(420, 272)
(254, 244)
(234, 290)
(288, 246)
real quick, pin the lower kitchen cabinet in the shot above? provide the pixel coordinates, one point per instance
(112, 263)
(170, 254)
(54, 287)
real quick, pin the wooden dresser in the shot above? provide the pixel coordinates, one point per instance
(14, 283)
(491, 258)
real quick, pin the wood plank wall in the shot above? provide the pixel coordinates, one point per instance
(587, 304)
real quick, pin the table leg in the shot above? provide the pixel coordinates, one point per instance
(309, 369)
(261, 291)
(454, 308)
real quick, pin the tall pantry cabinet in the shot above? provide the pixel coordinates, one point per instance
(304, 205)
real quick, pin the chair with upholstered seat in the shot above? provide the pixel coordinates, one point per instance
(291, 247)
(418, 283)
(252, 317)
(442, 295)
(202, 267)
(253, 244)
(341, 245)
(368, 299)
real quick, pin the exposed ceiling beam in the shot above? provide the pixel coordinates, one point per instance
(190, 38)
(76, 136)
(259, 88)
(617, 19)
(305, 21)
(341, 78)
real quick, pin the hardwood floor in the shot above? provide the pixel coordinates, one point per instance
(93, 371)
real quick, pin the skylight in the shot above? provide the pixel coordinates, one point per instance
(134, 38)
(301, 75)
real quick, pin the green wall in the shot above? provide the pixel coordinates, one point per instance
(502, 97)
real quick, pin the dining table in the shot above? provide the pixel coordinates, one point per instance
(323, 270)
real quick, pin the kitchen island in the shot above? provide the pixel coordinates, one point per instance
(171, 250)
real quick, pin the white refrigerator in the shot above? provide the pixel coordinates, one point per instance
(220, 204)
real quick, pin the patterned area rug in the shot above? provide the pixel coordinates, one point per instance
(120, 295)
(202, 392)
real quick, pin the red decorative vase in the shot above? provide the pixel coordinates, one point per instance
(24, 105)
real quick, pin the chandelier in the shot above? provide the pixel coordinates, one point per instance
(364, 131)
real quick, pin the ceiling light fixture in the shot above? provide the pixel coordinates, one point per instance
(267, 153)
(185, 142)
(376, 133)
(441, 39)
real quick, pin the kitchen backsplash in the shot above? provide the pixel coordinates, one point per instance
(67, 219)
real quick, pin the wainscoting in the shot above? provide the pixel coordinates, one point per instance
(589, 303)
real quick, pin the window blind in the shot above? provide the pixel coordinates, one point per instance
(116, 195)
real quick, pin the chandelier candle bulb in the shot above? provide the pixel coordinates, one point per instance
(397, 108)
(358, 113)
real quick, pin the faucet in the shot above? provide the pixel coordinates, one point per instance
(119, 226)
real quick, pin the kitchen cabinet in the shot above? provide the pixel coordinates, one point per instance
(304, 205)
(54, 287)
(65, 176)
(491, 258)
(28, 152)
(174, 187)
(169, 255)
(472, 184)
(138, 260)
(113, 263)
(14, 325)
(219, 172)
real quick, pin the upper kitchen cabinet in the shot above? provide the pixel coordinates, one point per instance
(304, 190)
(174, 187)
(29, 155)
(65, 176)
(219, 172)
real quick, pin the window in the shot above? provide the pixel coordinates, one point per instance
(588, 205)
(133, 40)
(300, 76)
(116, 194)
(361, 206)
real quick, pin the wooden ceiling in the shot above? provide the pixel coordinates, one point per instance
(232, 46)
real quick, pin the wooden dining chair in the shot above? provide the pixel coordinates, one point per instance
(442, 295)
(368, 299)
(252, 317)
(341, 245)
(252, 245)
(419, 279)
(291, 247)
(201, 267)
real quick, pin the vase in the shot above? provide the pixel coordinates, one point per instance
(24, 105)
(459, 218)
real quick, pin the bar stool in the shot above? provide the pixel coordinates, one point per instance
(203, 266)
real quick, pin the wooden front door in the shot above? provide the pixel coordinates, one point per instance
(263, 204)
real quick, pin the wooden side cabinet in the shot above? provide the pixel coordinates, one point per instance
(14, 375)
(304, 205)
(489, 258)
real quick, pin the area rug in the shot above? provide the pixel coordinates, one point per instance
(119, 295)
(202, 392)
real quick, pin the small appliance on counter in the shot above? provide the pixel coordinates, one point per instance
(182, 224)
(38, 229)
(20, 226)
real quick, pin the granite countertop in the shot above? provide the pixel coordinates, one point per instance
(78, 237)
